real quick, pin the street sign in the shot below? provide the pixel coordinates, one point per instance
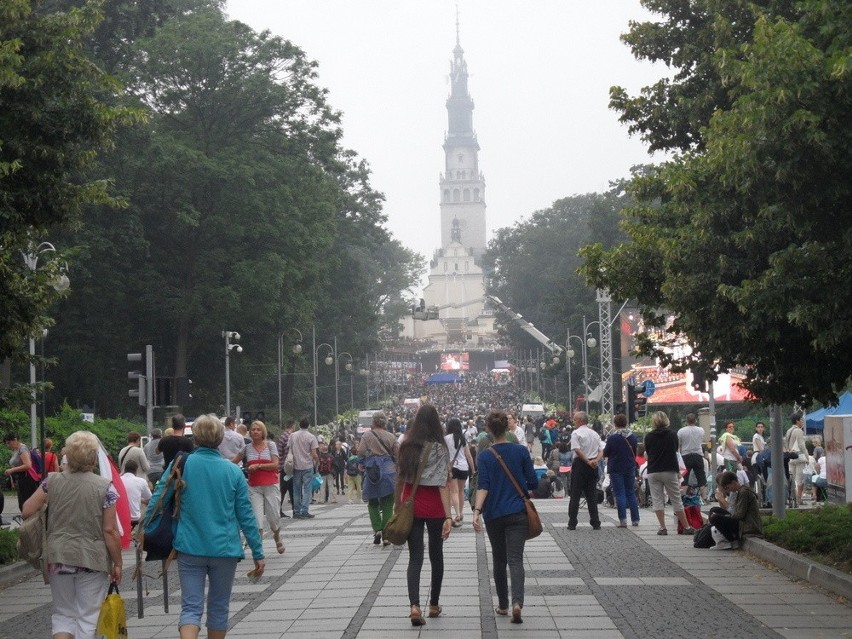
(632, 380)
(648, 388)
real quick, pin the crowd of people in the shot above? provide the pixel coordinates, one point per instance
(466, 442)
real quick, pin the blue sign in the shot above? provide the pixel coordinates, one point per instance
(648, 388)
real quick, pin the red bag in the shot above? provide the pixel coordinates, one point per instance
(693, 518)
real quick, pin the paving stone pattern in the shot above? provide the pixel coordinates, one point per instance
(612, 583)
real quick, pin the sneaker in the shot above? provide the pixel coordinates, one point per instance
(570, 527)
(308, 516)
(635, 523)
(722, 545)
(598, 527)
(622, 524)
(687, 531)
(662, 531)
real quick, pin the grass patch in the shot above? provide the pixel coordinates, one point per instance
(823, 534)
(8, 549)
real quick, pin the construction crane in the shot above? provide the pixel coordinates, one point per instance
(433, 312)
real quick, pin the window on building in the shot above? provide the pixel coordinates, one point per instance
(456, 195)
(446, 195)
(476, 195)
(466, 195)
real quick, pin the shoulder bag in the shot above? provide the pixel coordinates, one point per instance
(534, 528)
(399, 526)
(374, 470)
(32, 540)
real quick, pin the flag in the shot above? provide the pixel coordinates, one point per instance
(109, 470)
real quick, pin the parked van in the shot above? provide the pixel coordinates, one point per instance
(365, 420)
(532, 410)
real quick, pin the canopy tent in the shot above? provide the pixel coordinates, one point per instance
(445, 377)
(816, 420)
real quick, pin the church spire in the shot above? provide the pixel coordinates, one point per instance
(459, 104)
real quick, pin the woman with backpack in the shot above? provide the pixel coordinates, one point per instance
(379, 450)
(21, 468)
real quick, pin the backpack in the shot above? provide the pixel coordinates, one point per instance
(703, 537)
(155, 533)
(353, 465)
(37, 466)
(326, 463)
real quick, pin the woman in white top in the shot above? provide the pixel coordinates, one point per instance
(461, 463)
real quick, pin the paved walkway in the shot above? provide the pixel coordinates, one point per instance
(334, 583)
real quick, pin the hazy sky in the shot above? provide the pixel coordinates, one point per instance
(540, 72)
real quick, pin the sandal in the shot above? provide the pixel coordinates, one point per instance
(434, 611)
(503, 612)
(416, 616)
(279, 545)
(516, 614)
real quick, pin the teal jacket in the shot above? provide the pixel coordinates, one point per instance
(214, 508)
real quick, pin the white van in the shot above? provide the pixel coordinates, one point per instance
(365, 420)
(532, 410)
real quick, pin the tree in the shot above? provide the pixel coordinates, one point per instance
(747, 239)
(244, 213)
(533, 265)
(56, 114)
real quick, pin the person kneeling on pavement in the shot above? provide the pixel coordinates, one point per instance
(744, 519)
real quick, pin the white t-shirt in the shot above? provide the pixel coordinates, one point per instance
(137, 490)
(587, 440)
(757, 443)
(456, 453)
(520, 434)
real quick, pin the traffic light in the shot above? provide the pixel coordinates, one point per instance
(165, 391)
(631, 403)
(637, 403)
(183, 391)
(699, 382)
(138, 378)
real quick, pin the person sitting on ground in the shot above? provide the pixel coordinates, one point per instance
(539, 467)
(744, 519)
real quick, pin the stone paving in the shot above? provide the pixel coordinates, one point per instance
(332, 582)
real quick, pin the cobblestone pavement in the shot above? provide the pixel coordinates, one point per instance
(332, 582)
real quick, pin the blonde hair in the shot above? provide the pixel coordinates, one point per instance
(660, 420)
(81, 451)
(208, 431)
(257, 422)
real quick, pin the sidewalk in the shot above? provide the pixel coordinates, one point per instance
(332, 582)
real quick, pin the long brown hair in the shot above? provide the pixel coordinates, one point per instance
(425, 429)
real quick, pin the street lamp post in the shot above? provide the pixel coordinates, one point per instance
(229, 335)
(59, 283)
(587, 341)
(329, 360)
(349, 368)
(297, 349)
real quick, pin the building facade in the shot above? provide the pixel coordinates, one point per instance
(456, 279)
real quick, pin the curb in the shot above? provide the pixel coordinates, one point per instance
(801, 567)
(15, 573)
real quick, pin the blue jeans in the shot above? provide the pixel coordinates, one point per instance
(507, 535)
(194, 569)
(624, 491)
(302, 490)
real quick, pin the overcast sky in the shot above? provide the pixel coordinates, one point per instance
(540, 72)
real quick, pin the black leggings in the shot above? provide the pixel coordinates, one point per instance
(434, 528)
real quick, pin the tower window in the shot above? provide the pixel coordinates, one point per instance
(461, 158)
(466, 195)
(456, 195)
(446, 195)
(476, 195)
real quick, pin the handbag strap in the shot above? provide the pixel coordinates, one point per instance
(423, 460)
(511, 477)
(381, 443)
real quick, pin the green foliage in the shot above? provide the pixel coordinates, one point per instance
(744, 239)
(824, 533)
(534, 264)
(8, 546)
(56, 116)
(244, 213)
